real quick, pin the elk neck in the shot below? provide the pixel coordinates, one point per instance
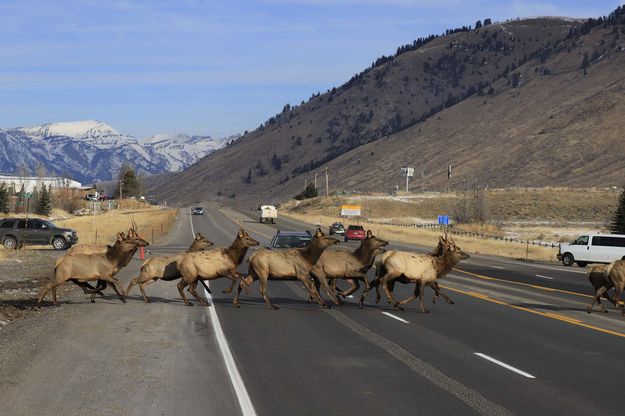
(445, 263)
(237, 251)
(117, 255)
(312, 252)
(364, 253)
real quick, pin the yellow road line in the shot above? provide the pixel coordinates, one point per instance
(548, 289)
(545, 314)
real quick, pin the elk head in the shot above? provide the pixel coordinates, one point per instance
(372, 242)
(245, 240)
(321, 240)
(452, 251)
(200, 242)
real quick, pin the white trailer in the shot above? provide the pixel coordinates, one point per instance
(268, 213)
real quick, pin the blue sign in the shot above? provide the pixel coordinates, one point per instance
(443, 219)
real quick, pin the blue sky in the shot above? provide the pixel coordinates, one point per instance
(210, 67)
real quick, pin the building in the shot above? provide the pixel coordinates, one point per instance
(15, 183)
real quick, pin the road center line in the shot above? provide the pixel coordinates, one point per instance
(504, 365)
(498, 267)
(395, 317)
(544, 277)
(245, 403)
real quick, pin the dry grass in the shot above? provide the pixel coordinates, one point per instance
(429, 238)
(152, 224)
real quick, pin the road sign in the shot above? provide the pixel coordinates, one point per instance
(350, 210)
(27, 195)
(443, 219)
(409, 172)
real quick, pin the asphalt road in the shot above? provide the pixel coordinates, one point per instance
(517, 341)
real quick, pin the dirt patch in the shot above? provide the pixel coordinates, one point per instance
(22, 274)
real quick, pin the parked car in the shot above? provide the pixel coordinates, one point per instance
(290, 239)
(355, 232)
(593, 248)
(198, 211)
(15, 232)
(337, 228)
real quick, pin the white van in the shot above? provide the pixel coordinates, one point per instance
(593, 248)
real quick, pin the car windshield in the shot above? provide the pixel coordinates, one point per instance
(356, 227)
(292, 241)
(581, 241)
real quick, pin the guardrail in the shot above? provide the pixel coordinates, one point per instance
(467, 233)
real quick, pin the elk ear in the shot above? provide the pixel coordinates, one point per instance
(198, 236)
(369, 234)
(319, 233)
(241, 234)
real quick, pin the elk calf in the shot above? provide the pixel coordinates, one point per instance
(164, 268)
(86, 267)
(212, 264)
(292, 264)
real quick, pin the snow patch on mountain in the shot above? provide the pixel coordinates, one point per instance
(91, 150)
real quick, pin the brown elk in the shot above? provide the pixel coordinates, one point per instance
(380, 271)
(351, 266)
(597, 278)
(614, 275)
(212, 264)
(165, 268)
(87, 267)
(422, 269)
(291, 264)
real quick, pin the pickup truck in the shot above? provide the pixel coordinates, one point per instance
(267, 213)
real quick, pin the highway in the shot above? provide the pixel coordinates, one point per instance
(517, 341)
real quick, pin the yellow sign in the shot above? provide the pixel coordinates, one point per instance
(350, 210)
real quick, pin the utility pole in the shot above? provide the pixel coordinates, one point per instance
(315, 180)
(448, 177)
(119, 206)
(327, 187)
(305, 183)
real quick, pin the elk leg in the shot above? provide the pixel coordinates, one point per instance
(439, 292)
(421, 291)
(50, 286)
(354, 286)
(193, 291)
(313, 291)
(389, 295)
(230, 289)
(181, 285)
(142, 286)
(131, 284)
(248, 282)
(597, 296)
(618, 289)
(116, 287)
(263, 292)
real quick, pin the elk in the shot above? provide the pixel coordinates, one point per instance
(212, 264)
(613, 275)
(422, 269)
(291, 264)
(380, 271)
(164, 268)
(352, 266)
(82, 268)
(597, 278)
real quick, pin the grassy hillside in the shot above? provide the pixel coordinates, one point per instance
(507, 104)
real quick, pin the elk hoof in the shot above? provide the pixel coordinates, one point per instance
(148, 301)
(426, 311)
(588, 310)
(273, 307)
(360, 305)
(399, 308)
(451, 302)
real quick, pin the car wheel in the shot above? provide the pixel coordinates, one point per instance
(568, 259)
(10, 243)
(59, 243)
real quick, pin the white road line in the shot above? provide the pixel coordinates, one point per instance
(395, 317)
(191, 221)
(350, 296)
(518, 263)
(544, 277)
(247, 408)
(498, 267)
(504, 365)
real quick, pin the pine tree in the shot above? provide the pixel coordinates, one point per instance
(4, 199)
(585, 64)
(129, 182)
(618, 222)
(44, 205)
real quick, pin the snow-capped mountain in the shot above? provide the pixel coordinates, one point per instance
(92, 151)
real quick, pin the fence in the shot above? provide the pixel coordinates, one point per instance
(468, 233)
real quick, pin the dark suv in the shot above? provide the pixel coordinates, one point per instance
(290, 239)
(15, 232)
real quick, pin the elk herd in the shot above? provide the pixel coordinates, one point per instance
(314, 266)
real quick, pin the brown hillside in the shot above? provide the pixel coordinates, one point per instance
(526, 115)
